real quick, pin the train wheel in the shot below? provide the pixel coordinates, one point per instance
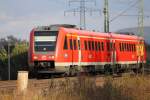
(73, 71)
(107, 70)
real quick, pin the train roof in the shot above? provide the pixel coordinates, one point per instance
(102, 34)
(54, 27)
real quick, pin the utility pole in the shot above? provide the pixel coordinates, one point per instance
(106, 16)
(9, 48)
(82, 9)
(141, 18)
(82, 14)
(141, 33)
(106, 30)
(8, 60)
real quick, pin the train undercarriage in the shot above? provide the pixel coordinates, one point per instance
(48, 69)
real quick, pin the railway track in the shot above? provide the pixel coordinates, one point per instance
(44, 83)
(31, 83)
(7, 85)
(38, 84)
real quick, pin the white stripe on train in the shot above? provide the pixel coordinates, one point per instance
(93, 63)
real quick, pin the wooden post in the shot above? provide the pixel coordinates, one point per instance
(22, 81)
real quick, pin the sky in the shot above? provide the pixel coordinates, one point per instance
(19, 17)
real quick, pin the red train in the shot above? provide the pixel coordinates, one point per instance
(66, 49)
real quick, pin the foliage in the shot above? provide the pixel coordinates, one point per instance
(18, 56)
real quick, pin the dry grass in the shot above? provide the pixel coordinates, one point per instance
(83, 88)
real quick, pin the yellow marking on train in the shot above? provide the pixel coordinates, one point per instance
(68, 35)
(140, 49)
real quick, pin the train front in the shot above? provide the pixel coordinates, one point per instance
(42, 48)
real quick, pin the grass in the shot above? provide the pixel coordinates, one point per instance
(84, 88)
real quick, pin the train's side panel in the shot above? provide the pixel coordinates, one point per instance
(63, 54)
(127, 50)
(76, 47)
(126, 54)
(70, 56)
(94, 53)
(59, 54)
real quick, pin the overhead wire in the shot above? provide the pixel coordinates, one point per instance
(124, 11)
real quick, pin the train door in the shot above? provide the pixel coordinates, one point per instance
(113, 52)
(74, 50)
(79, 51)
(108, 51)
(73, 54)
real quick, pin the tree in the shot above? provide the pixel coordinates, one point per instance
(19, 59)
(18, 56)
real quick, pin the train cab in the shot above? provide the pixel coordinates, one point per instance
(43, 44)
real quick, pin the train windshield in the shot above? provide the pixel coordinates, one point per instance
(45, 41)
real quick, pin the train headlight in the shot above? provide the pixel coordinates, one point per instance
(35, 57)
(52, 57)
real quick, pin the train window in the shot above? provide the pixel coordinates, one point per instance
(99, 47)
(65, 43)
(45, 41)
(120, 46)
(123, 47)
(75, 44)
(85, 45)
(102, 46)
(71, 47)
(108, 46)
(45, 33)
(111, 45)
(79, 44)
(127, 47)
(96, 46)
(92, 45)
(114, 47)
(89, 45)
(134, 49)
(131, 47)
